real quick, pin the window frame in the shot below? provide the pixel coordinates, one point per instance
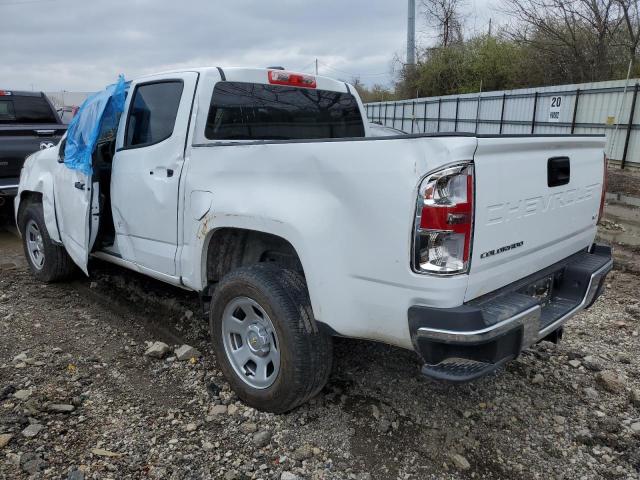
(131, 104)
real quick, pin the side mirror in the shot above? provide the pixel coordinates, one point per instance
(61, 148)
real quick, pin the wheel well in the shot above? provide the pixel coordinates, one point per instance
(27, 198)
(230, 248)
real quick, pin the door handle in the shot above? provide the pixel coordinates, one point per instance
(79, 185)
(169, 172)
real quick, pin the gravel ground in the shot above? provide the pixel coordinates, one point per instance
(623, 181)
(79, 399)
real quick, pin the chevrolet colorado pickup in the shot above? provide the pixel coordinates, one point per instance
(262, 190)
(28, 122)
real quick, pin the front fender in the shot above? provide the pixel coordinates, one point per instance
(37, 177)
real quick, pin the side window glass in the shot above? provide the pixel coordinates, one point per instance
(152, 114)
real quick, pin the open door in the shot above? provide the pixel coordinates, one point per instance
(75, 198)
(76, 186)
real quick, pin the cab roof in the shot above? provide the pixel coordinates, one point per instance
(255, 75)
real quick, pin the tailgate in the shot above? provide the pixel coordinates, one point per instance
(528, 214)
(19, 141)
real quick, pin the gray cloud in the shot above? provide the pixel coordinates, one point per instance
(83, 44)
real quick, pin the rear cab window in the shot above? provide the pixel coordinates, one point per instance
(20, 109)
(252, 111)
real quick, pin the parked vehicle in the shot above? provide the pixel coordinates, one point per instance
(66, 113)
(28, 122)
(261, 190)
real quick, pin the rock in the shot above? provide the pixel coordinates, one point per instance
(559, 420)
(261, 439)
(575, 363)
(188, 314)
(635, 397)
(32, 430)
(157, 350)
(591, 363)
(186, 352)
(22, 394)
(460, 462)
(75, 474)
(375, 412)
(191, 427)
(622, 357)
(32, 463)
(635, 427)
(537, 379)
(610, 381)
(218, 410)
(249, 427)
(289, 476)
(21, 357)
(61, 408)
(384, 425)
(591, 392)
(101, 452)
(5, 438)
(232, 409)
(6, 391)
(302, 453)
(231, 475)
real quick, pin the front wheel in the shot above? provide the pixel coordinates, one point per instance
(47, 261)
(266, 339)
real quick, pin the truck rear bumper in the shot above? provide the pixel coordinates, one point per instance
(463, 343)
(9, 186)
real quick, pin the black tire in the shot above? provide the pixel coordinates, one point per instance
(57, 264)
(306, 353)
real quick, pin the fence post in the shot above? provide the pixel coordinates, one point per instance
(402, 121)
(455, 125)
(629, 125)
(395, 104)
(385, 113)
(439, 105)
(504, 98)
(575, 112)
(478, 112)
(535, 107)
(424, 120)
(413, 114)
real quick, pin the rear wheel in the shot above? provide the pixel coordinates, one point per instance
(266, 340)
(47, 261)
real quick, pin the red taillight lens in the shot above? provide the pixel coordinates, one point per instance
(280, 77)
(4, 93)
(444, 221)
(604, 189)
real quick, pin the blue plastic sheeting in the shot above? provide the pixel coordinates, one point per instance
(100, 109)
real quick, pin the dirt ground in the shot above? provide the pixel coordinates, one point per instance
(623, 181)
(78, 398)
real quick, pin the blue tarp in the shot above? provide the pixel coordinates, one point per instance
(102, 108)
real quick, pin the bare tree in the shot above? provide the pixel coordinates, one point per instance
(444, 16)
(576, 32)
(631, 20)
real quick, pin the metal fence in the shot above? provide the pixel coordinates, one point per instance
(590, 108)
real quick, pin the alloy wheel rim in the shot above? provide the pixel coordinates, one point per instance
(251, 342)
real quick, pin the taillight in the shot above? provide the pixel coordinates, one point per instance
(604, 188)
(444, 221)
(4, 93)
(280, 77)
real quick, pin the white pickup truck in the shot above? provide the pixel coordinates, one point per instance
(263, 190)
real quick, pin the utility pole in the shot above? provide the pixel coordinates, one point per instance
(489, 26)
(316, 67)
(411, 33)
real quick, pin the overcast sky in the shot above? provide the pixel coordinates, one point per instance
(82, 45)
